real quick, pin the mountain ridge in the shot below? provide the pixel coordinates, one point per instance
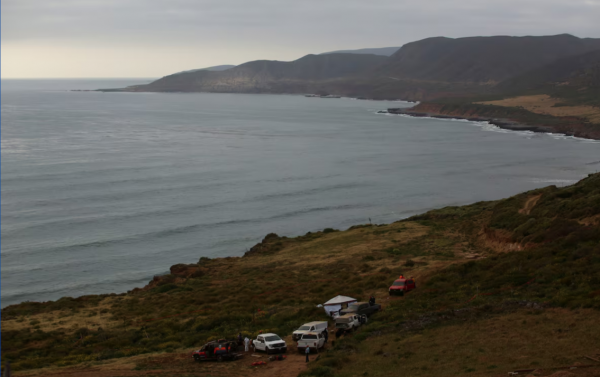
(481, 59)
(457, 71)
(268, 75)
(385, 51)
(427, 68)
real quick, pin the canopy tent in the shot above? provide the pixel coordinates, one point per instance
(335, 304)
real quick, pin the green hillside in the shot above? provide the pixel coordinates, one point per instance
(537, 249)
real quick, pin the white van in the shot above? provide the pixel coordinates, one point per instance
(317, 326)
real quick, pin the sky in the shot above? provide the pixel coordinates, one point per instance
(154, 38)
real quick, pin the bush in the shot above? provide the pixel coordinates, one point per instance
(165, 288)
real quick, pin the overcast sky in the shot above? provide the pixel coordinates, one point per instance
(153, 38)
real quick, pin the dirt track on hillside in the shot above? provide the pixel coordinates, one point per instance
(182, 364)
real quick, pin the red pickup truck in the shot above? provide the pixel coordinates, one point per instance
(402, 285)
(217, 350)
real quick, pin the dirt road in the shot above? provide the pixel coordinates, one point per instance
(180, 364)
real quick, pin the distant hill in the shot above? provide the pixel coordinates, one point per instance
(216, 68)
(581, 70)
(385, 51)
(263, 76)
(480, 59)
(428, 69)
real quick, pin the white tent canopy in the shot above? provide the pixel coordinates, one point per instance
(335, 304)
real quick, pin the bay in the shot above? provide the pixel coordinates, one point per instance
(102, 191)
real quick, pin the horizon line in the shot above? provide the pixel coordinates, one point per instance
(72, 78)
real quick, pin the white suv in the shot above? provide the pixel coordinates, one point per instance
(316, 326)
(269, 343)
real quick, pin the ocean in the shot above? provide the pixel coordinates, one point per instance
(102, 191)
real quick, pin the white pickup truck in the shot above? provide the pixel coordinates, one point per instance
(349, 322)
(269, 343)
(314, 340)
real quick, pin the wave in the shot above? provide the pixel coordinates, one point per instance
(137, 191)
(148, 236)
(95, 219)
(79, 173)
(19, 295)
(555, 181)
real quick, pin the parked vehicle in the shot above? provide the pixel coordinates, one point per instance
(317, 326)
(347, 322)
(401, 286)
(361, 308)
(270, 343)
(314, 340)
(218, 350)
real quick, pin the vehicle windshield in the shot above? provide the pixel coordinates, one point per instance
(309, 336)
(305, 328)
(353, 306)
(272, 338)
(398, 284)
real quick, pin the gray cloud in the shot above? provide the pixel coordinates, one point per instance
(234, 31)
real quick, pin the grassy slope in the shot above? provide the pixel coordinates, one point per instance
(571, 82)
(478, 316)
(549, 235)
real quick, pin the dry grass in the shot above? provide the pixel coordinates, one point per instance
(97, 316)
(342, 246)
(544, 104)
(491, 347)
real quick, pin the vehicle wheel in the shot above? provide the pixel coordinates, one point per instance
(196, 358)
(267, 350)
(401, 293)
(219, 358)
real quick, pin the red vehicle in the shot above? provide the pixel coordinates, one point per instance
(219, 351)
(402, 285)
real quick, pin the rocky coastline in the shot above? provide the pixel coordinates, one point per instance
(501, 123)
(573, 129)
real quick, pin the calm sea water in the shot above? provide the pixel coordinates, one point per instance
(101, 191)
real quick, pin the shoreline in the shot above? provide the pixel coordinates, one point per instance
(502, 123)
(577, 129)
(308, 95)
